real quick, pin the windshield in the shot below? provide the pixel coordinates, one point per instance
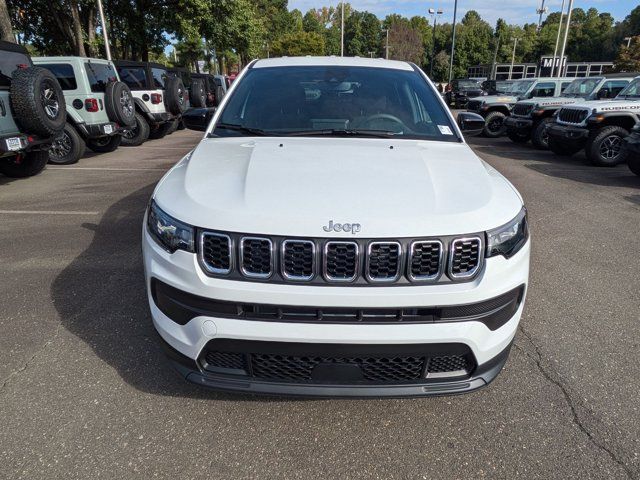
(467, 84)
(504, 87)
(521, 87)
(337, 101)
(582, 87)
(632, 90)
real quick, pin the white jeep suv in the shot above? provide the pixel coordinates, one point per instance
(333, 234)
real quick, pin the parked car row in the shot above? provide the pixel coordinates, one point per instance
(53, 108)
(564, 115)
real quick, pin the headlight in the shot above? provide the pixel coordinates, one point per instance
(170, 233)
(508, 239)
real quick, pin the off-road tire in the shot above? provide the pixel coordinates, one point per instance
(104, 144)
(161, 131)
(67, 148)
(604, 147)
(634, 165)
(539, 135)
(119, 104)
(37, 102)
(198, 95)
(26, 165)
(517, 137)
(489, 121)
(563, 149)
(174, 126)
(175, 96)
(219, 94)
(138, 134)
(180, 125)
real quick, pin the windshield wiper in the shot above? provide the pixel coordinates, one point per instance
(241, 128)
(337, 132)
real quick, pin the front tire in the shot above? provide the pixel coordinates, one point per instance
(104, 144)
(634, 165)
(605, 147)
(30, 164)
(67, 148)
(138, 134)
(494, 125)
(540, 136)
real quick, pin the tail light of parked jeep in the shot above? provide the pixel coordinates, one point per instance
(91, 105)
(156, 98)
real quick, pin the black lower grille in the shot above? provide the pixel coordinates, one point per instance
(465, 257)
(572, 115)
(337, 364)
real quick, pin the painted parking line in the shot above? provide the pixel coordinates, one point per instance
(46, 212)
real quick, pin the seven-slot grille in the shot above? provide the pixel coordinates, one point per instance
(361, 262)
(425, 260)
(474, 105)
(572, 115)
(384, 261)
(341, 261)
(465, 257)
(522, 109)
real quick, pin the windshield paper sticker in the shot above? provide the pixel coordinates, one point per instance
(445, 130)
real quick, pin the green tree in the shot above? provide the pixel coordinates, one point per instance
(298, 44)
(628, 59)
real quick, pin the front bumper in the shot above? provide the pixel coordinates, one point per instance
(187, 343)
(567, 133)
(518, 125)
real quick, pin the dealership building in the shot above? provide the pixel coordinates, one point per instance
(504, 71)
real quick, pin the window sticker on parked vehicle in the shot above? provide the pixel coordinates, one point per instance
(445, 130)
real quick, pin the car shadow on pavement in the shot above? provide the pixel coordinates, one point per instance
(573, 167)
(100, 297)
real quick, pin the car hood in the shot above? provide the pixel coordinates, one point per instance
(609, 105)
(489, 99)
(551, 101)
(295, 186)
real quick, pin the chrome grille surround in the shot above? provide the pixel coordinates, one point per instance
(253, 274)
(472, 272)
(207, 265)
(425, 278)
(325, 261)
(283, 257)
(368, 265)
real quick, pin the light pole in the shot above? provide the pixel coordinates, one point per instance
(513, 56)
(342, 30)
(566, 35)
(555, 50)
(453, 39)
(104, 30)
(386, 47)
(541, 11)
(434, 15)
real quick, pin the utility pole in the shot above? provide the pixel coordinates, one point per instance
(513, 56)
(434, 15)
(542, 10)
(342, 30)
(555, 50)
(104, 30)
(453, 39)
(566, 35)
(386, 48)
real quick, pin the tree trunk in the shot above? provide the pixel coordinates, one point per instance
(77, 29)
(144, 48)
(6, 32)
(90, 22)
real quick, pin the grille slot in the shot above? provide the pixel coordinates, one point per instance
(522, 109)
(474, 105)
(224, 360)
(298, 259)
(447, 365)
(256, 257)
(425, 261)
(572, 115)
(384, 261)
(341, 261)
(215, 251)
(465, 257)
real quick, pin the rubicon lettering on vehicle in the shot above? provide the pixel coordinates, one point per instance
(294, 252)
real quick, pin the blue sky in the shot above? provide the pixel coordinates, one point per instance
(514, 11)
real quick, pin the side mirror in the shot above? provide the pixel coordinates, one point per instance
(198, 118)
(471, 124)
(602, 93)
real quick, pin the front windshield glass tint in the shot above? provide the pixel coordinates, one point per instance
(520, 88)
(632, 90)
(330, 100)
(467, 84)
(504, 87)
(582, 87)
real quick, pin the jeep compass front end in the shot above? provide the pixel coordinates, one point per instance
(334, 235)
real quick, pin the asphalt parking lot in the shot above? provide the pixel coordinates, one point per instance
(85, 391)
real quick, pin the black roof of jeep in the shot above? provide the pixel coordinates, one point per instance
(138, 63)
(12, 47)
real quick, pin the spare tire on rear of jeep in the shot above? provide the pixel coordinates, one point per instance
(198, 96)
(119, 104)
(37, 102)
(175, 98)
